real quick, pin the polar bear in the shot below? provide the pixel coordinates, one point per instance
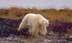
(36, 23)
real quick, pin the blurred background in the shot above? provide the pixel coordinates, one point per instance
(58, 12)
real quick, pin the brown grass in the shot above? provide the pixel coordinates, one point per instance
(64, 15)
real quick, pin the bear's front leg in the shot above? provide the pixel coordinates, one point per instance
(43, 30)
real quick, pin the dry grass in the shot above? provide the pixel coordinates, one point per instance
(64, 15)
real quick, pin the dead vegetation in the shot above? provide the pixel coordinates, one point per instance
(64, 15)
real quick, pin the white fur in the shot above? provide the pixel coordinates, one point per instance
(36, 23)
